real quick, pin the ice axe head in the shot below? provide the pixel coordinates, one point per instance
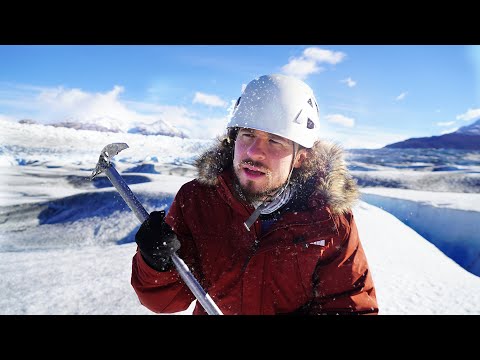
(107, 153)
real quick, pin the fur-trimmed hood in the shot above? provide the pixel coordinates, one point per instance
(326, 164)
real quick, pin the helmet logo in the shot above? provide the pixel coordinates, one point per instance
(310, 124)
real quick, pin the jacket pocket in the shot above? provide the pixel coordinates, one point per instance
(307, 255)
(288, 272)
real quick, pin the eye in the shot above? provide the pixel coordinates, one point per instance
(248, 135)
(273, 141)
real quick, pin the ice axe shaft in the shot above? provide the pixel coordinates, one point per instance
(104, 165)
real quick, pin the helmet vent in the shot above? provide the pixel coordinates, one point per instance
(310, 124)
(310, 102)
(238, 102)
(297, 120)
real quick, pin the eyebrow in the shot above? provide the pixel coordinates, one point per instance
(276, 137)
(280, 139)
(271, 136)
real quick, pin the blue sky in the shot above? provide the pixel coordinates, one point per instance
(369, 96)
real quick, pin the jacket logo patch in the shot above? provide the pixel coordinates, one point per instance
(319, 242)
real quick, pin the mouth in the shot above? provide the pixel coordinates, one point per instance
(253, 172)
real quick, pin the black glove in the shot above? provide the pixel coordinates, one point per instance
(157, 242)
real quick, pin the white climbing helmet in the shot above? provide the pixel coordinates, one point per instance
(281, 105)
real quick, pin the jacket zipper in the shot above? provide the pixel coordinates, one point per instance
(253, 250)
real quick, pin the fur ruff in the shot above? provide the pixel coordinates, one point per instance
(326, 164)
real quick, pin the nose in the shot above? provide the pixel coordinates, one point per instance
(256, 150)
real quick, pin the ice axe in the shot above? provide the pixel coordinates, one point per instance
(104, 165)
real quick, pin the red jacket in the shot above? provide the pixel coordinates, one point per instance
(310, 261)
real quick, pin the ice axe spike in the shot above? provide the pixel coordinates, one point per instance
(104, 165)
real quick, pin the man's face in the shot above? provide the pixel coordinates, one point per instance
(262, 162)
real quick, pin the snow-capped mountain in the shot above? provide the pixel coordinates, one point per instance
(159, 127)
(472, 129)
(112, 124)
(465, 138)
(104, 123)
(84, 126)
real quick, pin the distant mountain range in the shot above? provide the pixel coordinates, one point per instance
(157, 128)
(465, 138)
(105, 124)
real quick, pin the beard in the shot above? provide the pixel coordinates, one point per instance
(249, 194)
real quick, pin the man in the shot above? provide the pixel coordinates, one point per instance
(267, 226)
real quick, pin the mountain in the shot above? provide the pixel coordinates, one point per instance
(472, 129)
(157, 128)
(112, 124)
(465, 138)
(84, 126)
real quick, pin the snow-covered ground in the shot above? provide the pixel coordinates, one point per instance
(66, 242)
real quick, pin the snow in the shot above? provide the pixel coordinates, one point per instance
(472, 129)
(66, 243)
(449, 200)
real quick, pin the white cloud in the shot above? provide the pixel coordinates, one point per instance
(178, 116)
(208, 128)
(446, 123)
(60, 104)
(349, 82)
(308, 62)
(19, 96)
(340, 119)
(6, 118)
(301, 68)
(401, 96)
(469, 115)
(208, 99)
(324, 56)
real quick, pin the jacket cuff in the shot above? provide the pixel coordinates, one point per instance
(160, 264)
(152, 276)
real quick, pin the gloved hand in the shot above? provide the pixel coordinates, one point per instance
(157, 241)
